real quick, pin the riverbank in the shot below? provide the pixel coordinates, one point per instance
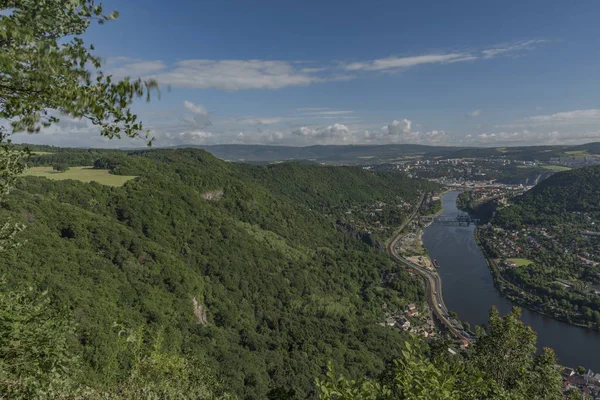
(441, 210)
(516, 294)
(502, 284)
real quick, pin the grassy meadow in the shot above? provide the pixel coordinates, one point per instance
(83, 174)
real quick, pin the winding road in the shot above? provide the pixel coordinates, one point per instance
(433, 283)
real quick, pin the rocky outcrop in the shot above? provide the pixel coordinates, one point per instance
(213, 195)
(199, 311)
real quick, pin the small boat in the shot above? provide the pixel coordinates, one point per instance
(437, 265)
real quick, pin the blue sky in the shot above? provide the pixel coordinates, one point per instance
(342, 72)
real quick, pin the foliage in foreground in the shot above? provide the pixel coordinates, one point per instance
(502, 365)
(37, 359)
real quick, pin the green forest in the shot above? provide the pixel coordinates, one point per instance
(280, 291)
(558, 199)
(230, 270)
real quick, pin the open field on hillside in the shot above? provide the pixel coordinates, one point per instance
(557, 168)
(577, 153)
(521, 262)
(83, 174)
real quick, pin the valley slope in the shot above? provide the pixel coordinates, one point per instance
(241, 266)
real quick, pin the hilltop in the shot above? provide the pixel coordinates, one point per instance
(377, 154)
(556, 199)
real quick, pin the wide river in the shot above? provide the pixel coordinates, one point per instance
(468, 288)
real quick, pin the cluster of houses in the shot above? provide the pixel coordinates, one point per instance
(409, 321)
(588, 382)
(507, 247)
(508, 244)
(574, 162)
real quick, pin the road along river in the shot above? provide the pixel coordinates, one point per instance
(468, 289)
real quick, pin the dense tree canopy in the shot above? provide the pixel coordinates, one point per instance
(284, 291)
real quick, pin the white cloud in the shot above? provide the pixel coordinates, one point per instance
(526, 137)
(474, 114)
(329, 113)
(405, 62)
(230, 75)
(337, 131)
(195, 108)
(200, 119)
(274, 137)
(402, 132)
(313, 109)
(519, 138)
(511, 49)
(395, 63)
(571, 116)
(178, 131)
(572, 120)
(192, 136)
(135, 69)
(313, 70)
(332, 134)
(250, 120)
(235, 75)
(397, 127)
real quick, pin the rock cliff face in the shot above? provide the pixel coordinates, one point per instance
(213, 195)
(199, 311)
(366, 237)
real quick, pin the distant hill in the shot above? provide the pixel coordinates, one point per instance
(360, 154)
(549, 202)
(575, 190)
(369, 154)
(357, 154)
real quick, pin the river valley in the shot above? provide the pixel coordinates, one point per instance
(468, 289)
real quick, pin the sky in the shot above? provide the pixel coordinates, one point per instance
(469, 73)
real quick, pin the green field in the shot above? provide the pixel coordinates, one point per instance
(577, 153)
(83, 174)
(521, 262)
(40, 153)
(556, 168)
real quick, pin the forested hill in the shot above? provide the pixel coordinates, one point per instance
(237, 265)
(329, 188)
(553, 199)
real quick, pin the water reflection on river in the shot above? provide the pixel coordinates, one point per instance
(468, 289)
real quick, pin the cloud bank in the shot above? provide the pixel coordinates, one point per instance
(235, 75)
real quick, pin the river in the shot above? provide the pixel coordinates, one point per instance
(468, 289)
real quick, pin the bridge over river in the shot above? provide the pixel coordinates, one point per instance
(460, 219)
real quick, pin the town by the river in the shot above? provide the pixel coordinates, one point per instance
(468, 289)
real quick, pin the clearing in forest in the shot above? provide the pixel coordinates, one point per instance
(83, 174)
